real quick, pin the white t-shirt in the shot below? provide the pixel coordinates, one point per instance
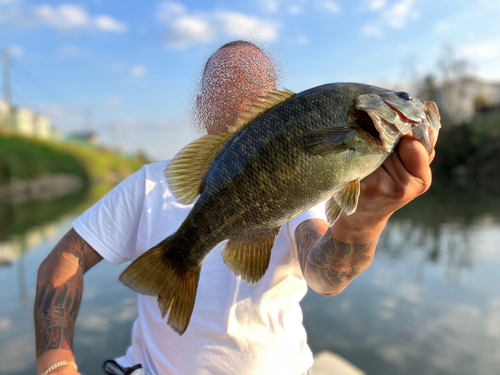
(235, 328)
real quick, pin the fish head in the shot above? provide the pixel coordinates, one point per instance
(388, 116)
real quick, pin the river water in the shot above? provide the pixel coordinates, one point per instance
(429, 304)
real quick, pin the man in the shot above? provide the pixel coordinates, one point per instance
(235, 328)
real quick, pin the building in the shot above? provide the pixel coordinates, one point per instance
(43, 128)
(86, 138)
(461, 99)
(24, 123)
(6, 112)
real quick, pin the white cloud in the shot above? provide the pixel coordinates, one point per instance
(484, 50)
(138, 71)
(16, 50)
(270, 6)
(372, 30)
(302, 40)
(187, 29)
(169, 9)
(395, 16)
(329, 6)
(442, 26)
(294, 9)
(62, 17)
(398, 15)
(376, 5)
(239, 25)
(109, 24)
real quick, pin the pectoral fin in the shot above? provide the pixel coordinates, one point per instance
(347, 197)
(328, 140)
(250, 256)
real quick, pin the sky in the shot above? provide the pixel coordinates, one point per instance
(128, 69)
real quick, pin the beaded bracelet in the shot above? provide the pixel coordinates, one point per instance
(59, 364)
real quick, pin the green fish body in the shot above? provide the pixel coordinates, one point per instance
(285, 155)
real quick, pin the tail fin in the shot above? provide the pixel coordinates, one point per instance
(154, 274)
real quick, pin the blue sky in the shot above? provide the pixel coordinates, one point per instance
(131, 66)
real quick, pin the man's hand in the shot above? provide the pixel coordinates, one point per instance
(405, 175)
(332, 257)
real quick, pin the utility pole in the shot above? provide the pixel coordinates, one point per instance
(7, 93)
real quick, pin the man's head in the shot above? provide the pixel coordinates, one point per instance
(234, 77)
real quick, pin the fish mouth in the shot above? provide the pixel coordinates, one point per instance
(386, 119)
(365, 121)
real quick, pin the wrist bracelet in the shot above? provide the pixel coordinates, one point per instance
(59, 364)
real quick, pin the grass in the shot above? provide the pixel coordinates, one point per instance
(26, 158)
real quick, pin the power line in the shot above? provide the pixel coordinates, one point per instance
(29, 77)
(45, 89)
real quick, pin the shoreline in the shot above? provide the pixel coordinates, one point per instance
(45, 187)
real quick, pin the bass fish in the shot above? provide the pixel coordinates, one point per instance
(286, 154)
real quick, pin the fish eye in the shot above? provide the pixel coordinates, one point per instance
(404, 95)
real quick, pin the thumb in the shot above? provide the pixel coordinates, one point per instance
(415, 158)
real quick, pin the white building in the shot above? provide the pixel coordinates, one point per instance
(461, 99)
(5, 114)
(43, 128)
(24, 123)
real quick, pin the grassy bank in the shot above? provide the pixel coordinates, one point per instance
(28, 159)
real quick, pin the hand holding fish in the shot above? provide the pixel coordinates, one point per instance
(402, 177)
(331, 258)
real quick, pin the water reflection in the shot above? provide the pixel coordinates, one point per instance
(437, 228)
(429, 304)
(28, 232)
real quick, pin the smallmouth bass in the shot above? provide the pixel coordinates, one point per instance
(284, 155)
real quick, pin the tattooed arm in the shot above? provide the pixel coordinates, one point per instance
(332, 257)
(329, 265)
(58, 296)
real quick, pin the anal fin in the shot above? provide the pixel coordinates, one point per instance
(249, 257)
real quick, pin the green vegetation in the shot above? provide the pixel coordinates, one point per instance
(103, 165)
(469, 154)
(26, 159)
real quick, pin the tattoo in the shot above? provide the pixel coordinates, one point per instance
(59, 292)
(327, 264)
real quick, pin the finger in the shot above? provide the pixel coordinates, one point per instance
(414, 157)
(396, 169)
(432, 156)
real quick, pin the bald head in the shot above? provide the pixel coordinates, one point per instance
(234, 77)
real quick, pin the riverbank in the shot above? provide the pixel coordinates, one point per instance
(31, 169)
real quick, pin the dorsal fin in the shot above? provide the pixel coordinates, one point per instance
(186, 170)
(262, 105)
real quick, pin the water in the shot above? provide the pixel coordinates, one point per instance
(429, 304)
